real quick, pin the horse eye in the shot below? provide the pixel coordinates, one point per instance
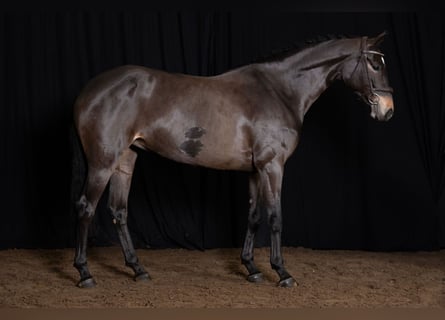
(374, 65)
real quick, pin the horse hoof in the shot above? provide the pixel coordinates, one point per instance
(287, 283)
(255, 277)
(142, 277)
(86, 283)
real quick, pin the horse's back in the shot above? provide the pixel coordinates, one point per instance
(208, 121)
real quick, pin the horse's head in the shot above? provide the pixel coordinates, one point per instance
(366, 74)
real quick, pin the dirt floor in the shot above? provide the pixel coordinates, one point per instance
(214, 278)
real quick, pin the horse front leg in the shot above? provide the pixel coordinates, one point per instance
(271, 181)
(276, 256)
(253, 222)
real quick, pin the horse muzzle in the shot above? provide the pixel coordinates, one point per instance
(382, 106)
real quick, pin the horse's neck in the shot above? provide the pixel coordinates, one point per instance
(304, 76)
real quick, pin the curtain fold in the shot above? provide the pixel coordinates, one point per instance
(420, 50)
(421, 54)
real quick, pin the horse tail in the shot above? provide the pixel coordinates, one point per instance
(78, 178)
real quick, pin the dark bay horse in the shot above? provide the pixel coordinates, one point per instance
(247, 119)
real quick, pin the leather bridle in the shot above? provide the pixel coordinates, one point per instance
(363, 59)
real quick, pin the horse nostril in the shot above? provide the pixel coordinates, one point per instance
(388, 114)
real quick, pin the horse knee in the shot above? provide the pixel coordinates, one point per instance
(119, 216)
(254, 220)
(275, 223)
(84, 208)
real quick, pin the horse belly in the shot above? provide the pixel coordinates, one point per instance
(198, 145)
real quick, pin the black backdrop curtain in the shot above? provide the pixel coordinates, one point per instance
(353, 183)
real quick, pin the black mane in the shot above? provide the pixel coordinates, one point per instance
(280, 54)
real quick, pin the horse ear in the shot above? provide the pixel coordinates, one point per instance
(375, 42)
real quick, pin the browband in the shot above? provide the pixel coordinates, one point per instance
(373, 52)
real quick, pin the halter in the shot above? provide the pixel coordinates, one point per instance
(363, 56)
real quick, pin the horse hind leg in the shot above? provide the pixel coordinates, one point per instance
(120, 183)
(96, 182)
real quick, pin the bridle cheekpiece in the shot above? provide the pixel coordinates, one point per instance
(363, 59)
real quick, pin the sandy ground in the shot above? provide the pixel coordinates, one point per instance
(214, 278)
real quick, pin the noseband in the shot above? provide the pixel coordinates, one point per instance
(363, 57)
